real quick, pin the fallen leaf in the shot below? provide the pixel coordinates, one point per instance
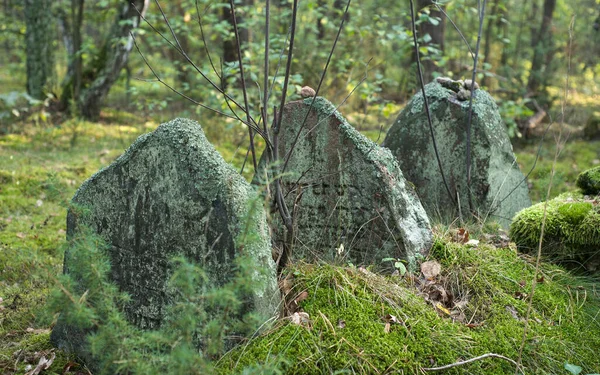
(513, 312)
(301, 297)
(389, 318)
(472, 243)
(430, 269)
(440, 307)
(300, 318)
(462, 235)
(386, 329)
(21, 235)
(43, 364)
(341, 323)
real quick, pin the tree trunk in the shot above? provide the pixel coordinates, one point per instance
(113, 58)
(543, 51)
(230, 52)
(487, 48)
(38, 45)
(437, 34)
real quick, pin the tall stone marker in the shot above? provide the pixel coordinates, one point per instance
(349, 198)
(171, 194)
(497, 190)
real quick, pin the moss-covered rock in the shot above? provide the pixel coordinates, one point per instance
(497, 188)
(571, 233)
(352, 329)
(591, 129)
(589, 181)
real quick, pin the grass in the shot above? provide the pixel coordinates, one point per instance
(42, 166)
(348, 309)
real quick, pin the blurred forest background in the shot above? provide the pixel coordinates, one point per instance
(74, 59)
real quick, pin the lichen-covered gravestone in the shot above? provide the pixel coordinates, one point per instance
(497, 189)
(349, 199)
(171, 194)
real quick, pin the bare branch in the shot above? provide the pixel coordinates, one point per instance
(461, 363)
(288, 65)
(473, 91)
(337, 37)
(420, 74)
(203, 37)
(441, 10)
(243, 79)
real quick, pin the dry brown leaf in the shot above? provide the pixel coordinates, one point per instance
(462, 235)
(301, 297)
(43, 364)
(21, 235)
(430, 269)
(386, 329)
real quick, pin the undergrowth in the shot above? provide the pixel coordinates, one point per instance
(40, 168)
(349, 308)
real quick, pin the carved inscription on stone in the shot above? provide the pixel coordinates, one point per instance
(348, 197)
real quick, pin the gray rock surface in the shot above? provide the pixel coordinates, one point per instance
(170, 194)
(494, 172)
(350, 200)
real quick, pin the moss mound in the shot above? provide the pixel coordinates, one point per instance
(359, 322)
(589, 181)
(572, 232)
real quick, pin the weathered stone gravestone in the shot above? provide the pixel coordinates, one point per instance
(498, 189)
(348, 196)
(171, 194)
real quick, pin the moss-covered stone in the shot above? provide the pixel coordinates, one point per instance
(348, 195)
(497, 189)
(591, 130)
(171, 194)
(571, 233)
(347, 308)
(589, 181)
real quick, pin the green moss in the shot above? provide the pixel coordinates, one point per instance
(589, 181)
(489, 285)
(571, 233)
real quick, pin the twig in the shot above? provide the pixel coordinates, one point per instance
(288, 66)
(243, 79)
(460, 363)
(337, 37)
(472, 89)
(441, 10)
(552, 172)
(420, 74)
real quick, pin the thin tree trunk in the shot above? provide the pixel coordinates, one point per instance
(543, 51)
(437, 34)
(230, 54)
(77, 19)
(38, 45)
(115, 54)
(487, 48)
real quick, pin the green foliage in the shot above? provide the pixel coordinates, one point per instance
(347, 309)
(198, 325)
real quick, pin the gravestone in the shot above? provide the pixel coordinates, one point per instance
(348, 196)
(498, 189)
(171, 194)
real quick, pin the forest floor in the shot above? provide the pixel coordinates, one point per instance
(41, 166)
